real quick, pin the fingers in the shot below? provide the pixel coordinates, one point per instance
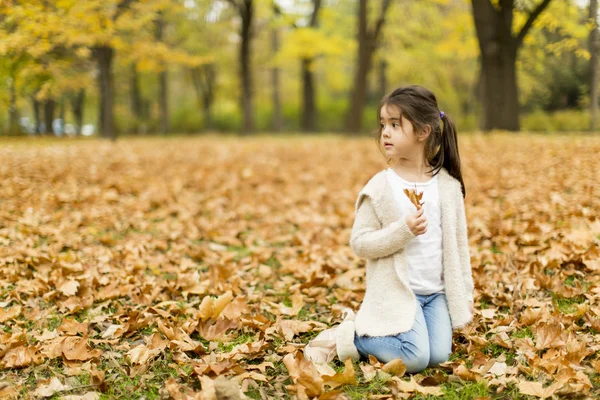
(420, 225)
(417, 222)
(421, 219)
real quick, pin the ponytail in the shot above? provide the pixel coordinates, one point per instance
(449, 155)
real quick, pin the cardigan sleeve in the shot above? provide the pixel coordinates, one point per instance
(369, 240)
(463, 244)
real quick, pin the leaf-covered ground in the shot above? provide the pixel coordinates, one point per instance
(200, 267)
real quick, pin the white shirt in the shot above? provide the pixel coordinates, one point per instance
(424, 252)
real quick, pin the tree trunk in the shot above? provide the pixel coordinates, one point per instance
(77, 108)
(277, 121)
(104, 56)
(48, 116)
(309, 112)
(163, 94)
(203, 79)
(136, 99)
(164, 102)
(309, 109)
(499, 48)
(593, 44)
(61, 109)
(247, 14)
(209, 94)
(367, 44)
(13, 112)
(36, 115)
(383, 85)
(500, 96)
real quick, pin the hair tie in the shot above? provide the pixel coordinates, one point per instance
(442, 114)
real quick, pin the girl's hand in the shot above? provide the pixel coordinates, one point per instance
(417, 223)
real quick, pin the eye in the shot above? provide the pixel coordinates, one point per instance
(395, 124)
(381, 125)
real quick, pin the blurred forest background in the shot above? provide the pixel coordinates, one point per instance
(115, 67)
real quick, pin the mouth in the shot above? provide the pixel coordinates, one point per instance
(387, 145)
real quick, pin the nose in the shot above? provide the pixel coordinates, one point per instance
(384, 132)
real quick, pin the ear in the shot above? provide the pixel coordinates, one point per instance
(425, 133)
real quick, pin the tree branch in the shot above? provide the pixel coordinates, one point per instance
(315, 13)
(385, 5)
(532, 17)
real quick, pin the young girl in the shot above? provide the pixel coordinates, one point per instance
(418, 273)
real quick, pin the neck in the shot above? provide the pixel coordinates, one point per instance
(416, 169)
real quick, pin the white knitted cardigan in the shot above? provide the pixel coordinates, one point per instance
(380, 235)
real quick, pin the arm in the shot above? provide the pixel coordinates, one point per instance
(369, 240)
(463, 244)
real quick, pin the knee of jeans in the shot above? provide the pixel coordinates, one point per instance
(438, 357)
(417, 361)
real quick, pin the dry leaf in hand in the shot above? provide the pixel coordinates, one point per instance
(414, 197)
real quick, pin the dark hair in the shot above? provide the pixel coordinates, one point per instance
(419, 105)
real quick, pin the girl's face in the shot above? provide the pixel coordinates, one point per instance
(398, 138)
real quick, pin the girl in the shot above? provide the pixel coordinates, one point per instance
(418, 273)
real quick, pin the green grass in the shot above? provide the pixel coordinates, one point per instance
(241, 339)
(523, 333)
(123, 386)
(459, 391)
(364, 389)
(567, 305)
(495, 351)
(54, 322)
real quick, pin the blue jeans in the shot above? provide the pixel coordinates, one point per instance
(428, 343)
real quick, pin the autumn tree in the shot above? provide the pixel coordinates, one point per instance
(368, 41)
(499, 44)
(309, 111)
(277, 119)
(245, 9)
(593, 46)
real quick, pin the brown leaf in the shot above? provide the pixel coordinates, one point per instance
(414, 197)
(49, 388)
(290, 328)
(304, 373)
(215, 330)
(75, 348)
(463, 373)
(537, 389)
(413, 387)
(69, 287)
(395, 367)
(347, 377)
(547, 335)
(72, 327)
(21, 356)
(9, 313)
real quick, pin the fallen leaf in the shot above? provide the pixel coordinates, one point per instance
(304, 373)
(395, 367)
(48, 389)
(347, 377)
